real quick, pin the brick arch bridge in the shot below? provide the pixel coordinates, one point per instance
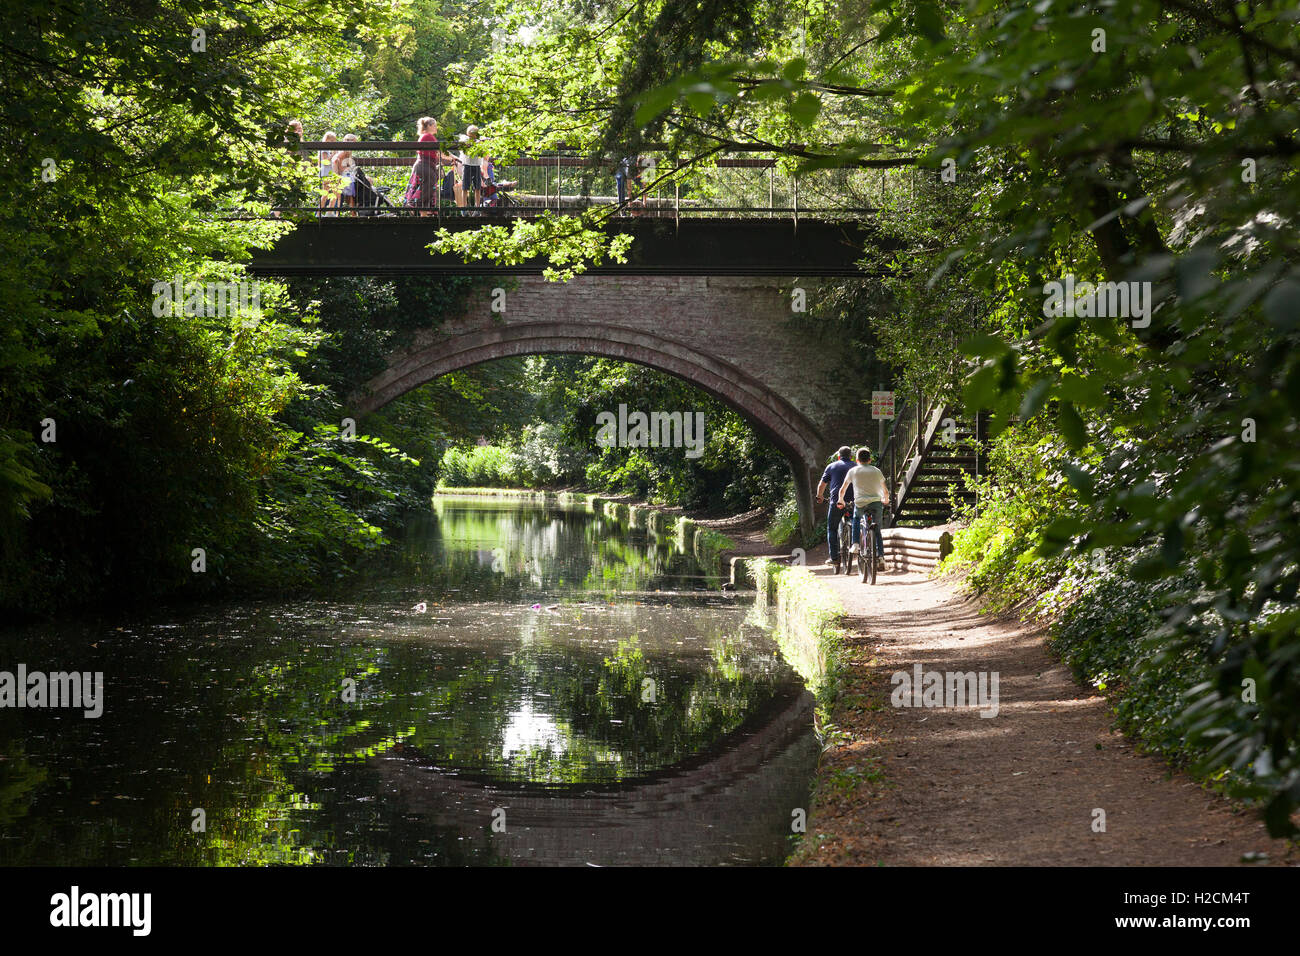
(731, 336)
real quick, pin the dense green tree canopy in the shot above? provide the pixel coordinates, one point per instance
(128, 127)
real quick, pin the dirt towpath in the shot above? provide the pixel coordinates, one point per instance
(930, 786)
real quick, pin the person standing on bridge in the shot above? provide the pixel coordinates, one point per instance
(426, 174)
(833, 480)
(345, 167)
(471, 186)
(622, 171)
(326, 170)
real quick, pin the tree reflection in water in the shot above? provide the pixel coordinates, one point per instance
(545, 675)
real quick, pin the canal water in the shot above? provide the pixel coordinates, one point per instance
(528, 684)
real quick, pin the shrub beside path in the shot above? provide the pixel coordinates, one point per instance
(926, 786)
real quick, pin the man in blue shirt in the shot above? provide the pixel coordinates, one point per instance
(832, 478)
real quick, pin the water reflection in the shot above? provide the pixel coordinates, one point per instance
(567, 672)
(492, 548)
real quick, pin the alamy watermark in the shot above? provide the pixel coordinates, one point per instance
(37, 689)
(1116, 300)
(655, 430)
(923, 688)
(212, 299)
(76, 909)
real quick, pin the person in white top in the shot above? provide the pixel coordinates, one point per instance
(870, 491)
(327, 194)
(472, 177)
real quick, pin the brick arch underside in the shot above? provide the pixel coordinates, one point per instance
(773, 417)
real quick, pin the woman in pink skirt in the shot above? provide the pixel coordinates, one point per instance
(422, 189)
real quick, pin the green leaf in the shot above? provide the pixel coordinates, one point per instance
(767, 90)
(928, 22)
(656, 102)
(984, 345)
(700, 102)
(1080, 479)
(1282, 305)
(1114, 366)
(805, 107)
(1149, 568)
(1277, 816)
(1057, 534)
(892, 28)
(1085, 392)
(1072, 427)
(1171, 548)
(981, 388)
(1034, 399)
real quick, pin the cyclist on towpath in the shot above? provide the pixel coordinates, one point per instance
(832, 480)
(870, 492)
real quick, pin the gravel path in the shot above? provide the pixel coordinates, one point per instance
(945, 786)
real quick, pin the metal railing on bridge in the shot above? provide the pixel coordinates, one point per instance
(729, 185)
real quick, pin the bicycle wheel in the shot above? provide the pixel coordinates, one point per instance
(867, 547)
(862, 551)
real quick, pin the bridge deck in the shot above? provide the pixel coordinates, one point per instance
(381, 245)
